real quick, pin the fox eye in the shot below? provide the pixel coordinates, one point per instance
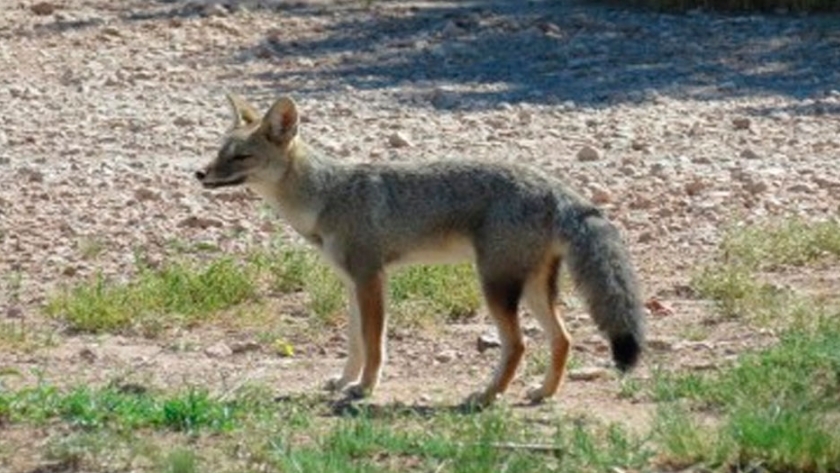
(240, 157)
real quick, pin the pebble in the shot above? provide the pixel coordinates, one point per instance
(445, 356)
(592, 373)
(218, 350)
(486, 342)
(588, 153)
(398, 140)
(742, 123)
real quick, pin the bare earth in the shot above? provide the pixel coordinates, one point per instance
(696, 123)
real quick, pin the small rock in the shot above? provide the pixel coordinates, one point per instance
(824, 183)
(600, 195)
(592, 373)
(451, 29)
(742, 123)
(398, 140)
(143, 193)
(242, 347)
(111, 31)
(218, 350)
(215, 9)
(756, 187)
(645, 237)
(749, 154)
(70, 271)
(638, 145)
(694, 187)
(88, 354)
(14, 312)
(199, 222)
(43, 8)
(657, 307)
(445, 356)
(485, 342)
(660, 344)
(700, 366)
(183, 121)
(804, 188)
(588, 153)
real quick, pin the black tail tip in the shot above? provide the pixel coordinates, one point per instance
(626, 351)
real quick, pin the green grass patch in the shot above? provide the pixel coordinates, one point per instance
(736, 285)
(785, 243)
(419, 295)
(156, 298)
(100, 427)
(777, 407)
(88, 408)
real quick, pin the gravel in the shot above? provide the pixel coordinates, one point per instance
(678, 125)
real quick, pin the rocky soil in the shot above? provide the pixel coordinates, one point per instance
(678, 125)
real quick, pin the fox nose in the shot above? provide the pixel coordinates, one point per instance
(200, 175)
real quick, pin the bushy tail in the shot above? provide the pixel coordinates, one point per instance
(600, 265)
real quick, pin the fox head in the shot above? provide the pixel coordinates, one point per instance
(255, 149)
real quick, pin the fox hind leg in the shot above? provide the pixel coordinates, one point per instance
(540, 296)
(502, 298)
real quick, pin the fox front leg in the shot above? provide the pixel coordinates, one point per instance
(355, 349)
(371, 311)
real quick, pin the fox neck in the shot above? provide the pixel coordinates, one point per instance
(294, 191)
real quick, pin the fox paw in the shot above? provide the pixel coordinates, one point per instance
(480, 399)
(356, 391)
(336, 384)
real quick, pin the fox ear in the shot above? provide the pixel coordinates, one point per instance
(281, 121)
(243, 112)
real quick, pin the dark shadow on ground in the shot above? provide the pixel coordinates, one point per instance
(550, 51)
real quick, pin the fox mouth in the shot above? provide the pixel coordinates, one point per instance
(217, 184)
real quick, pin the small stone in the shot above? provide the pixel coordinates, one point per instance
(183, 121)
(215, 9)
(14, 312)
(88, 354)
(756, 187)
(660, 344)
(70, 271)
(600, 195)
(43, 8)
(218, 350)
(657, 307)
(485, 342)
(451, 29)
(742, 123)
(199, 222)
(143, 194)
(445, 356)
(242, 347)
(749, 154)
(588, 153)
(592, 373)
(398, 140)
(694, 187)
(645, 237)
(804, 188)
(824, 183)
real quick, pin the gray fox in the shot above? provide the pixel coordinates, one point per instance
(515, 223)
